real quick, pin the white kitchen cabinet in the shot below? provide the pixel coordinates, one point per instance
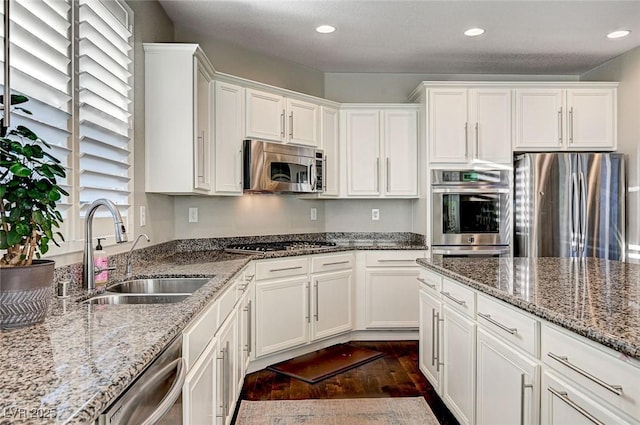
(469, 125)
(178, 114)
(430, 336)
(507, 384)
(270, 116)
(459, 369)
(571, 118)
(331, 303)
(330, 143)
(226, 389)
(245, 324)
(228, 135)
(381, 151)
(199, 389)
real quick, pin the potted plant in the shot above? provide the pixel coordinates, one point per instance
(28, 222)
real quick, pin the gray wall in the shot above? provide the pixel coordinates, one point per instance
(626, 70)
(248, 64)
(354, 215)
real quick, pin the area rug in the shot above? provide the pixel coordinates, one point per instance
(322, 364)
(355, 411)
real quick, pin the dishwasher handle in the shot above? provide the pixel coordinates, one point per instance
(174, 392)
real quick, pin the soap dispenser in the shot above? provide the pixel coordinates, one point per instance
(100, 261)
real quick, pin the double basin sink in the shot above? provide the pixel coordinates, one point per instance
(150, 291)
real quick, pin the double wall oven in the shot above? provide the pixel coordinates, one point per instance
(471, 212)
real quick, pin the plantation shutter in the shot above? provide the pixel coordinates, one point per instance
(40, 52)
(105, 63)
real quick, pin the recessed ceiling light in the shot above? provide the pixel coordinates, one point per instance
(473, 32)
(618, 34)
(325, 29)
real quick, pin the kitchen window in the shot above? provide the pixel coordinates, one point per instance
(81, 97)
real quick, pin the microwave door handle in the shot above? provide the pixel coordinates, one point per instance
(172, 395)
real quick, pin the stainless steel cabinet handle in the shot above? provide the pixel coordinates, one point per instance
(224, 382)
(560, 125)
(571, 125)
(466, 138)
(291, 124)
(317, 315)
(438, 362)
(284, 269)
(7, 67)
(476, 153)
(387, 175)
(523, 386)
(488, 318)
(377, 174)
(616, 389)
(562, 395)
(174, 392)
(201, 155)
(434, 322)
(308, 288)
(249, 335)
(336, 263)
(239, 169)
(282, 124)
(393, 261)
(455, 300)
(250, 277)
(430, 285)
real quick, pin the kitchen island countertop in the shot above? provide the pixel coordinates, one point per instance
(596, 298)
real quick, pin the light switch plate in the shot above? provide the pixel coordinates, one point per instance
(375, 214)
(314, 214)
(143, 216)
(193, 215)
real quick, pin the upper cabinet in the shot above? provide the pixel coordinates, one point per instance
(178, 105)
(270, 116)
(330, 143)
(469, 125)
(228, 123)
(565, 118)
(381, 151)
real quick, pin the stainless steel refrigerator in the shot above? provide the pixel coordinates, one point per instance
(570, 205)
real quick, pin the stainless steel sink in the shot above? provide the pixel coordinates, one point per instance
(160, 285)
(136, 299)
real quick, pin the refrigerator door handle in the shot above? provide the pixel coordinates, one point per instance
(574, 210)
(583, 213)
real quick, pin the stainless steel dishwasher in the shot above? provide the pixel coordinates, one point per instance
(155, 397)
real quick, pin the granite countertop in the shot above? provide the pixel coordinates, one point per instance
(72, 366)
(596, 298)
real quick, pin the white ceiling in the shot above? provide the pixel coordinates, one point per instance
(522, 37)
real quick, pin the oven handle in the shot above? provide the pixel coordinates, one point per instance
(476, 189)
(445, 251)
(174, 392)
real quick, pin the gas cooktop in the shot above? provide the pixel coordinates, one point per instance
(279, 246)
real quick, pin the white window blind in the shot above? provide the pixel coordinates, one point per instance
(105, 62)
(40, 35)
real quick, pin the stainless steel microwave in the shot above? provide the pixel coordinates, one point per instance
(278, 168)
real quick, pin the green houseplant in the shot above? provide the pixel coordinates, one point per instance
(28, 221)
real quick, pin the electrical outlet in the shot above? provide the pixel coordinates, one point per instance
(143, 216)
(314, 214)
(193, 215)
(375, 214)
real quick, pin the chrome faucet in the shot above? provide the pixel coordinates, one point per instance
(127, 270)
(89, 271)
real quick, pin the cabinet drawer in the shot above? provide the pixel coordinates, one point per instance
(430, 282)
(227, 300)
(282, 268)
(514, 326)
(459, 297)
(602, 371)
(393, 258)
(328, 263)
(196, 337)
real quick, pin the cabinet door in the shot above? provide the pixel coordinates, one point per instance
(282, 315)
(331, 304)
(458, 356)
(391, 298)
(302, 123)
(244, 318)
(330, 139)
(265, 117)
(226, 379)
(363, 152)
(229, 121)
(400, 140)
(507, 384)
(490, 125)
(448, 125)
(199, 389)
(539, 119)
(203, 157)
(591, 120)
(429, 351)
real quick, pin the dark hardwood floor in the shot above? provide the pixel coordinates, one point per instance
(394, 375)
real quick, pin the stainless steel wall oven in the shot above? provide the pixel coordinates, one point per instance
(471, 212)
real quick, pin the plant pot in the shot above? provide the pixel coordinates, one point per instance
(25, 293)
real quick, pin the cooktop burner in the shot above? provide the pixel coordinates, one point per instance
(279, 246)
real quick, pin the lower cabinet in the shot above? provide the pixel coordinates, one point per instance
(331, 306)
(507, 384)
(428, 348)
(226, 369)
(200, 389)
